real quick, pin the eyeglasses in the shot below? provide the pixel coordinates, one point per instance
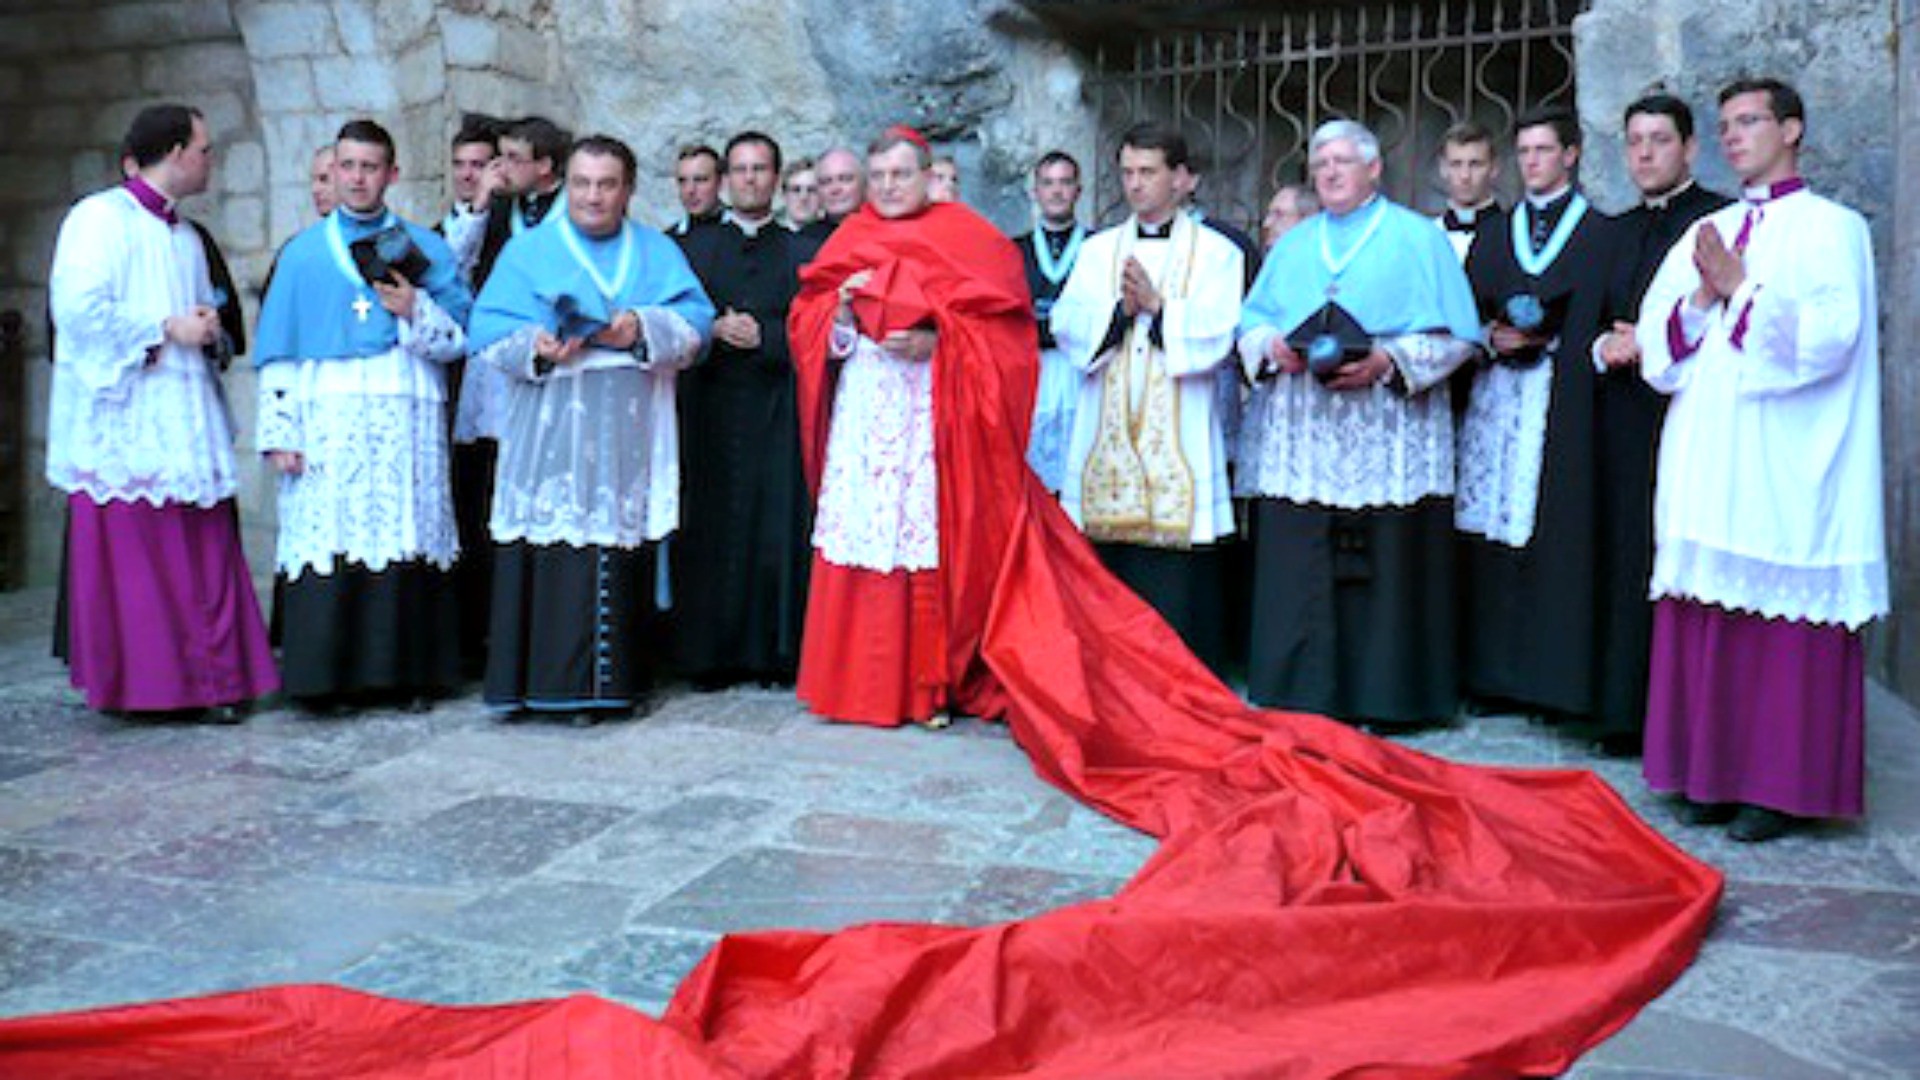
(1747, 121)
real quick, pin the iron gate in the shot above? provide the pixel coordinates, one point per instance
(1247, 86)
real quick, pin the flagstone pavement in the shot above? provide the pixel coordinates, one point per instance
(449, 857)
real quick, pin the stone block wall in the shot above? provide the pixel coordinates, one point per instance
(1900, 641)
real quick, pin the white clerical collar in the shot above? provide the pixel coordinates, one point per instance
(1665, 198)
(1466, 214)
(1541, 202)
(376, 214)
(751, 227)
(1060, 229)
(1779, 189)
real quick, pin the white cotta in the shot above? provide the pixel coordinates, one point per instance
(879, 505)
(1768, 496)
(372, 432)
(589, 452)
(1503, 442)
(120, 428)
(1351, 449)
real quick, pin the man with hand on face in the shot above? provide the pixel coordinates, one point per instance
(696, 180)
(1050, 252)
(519, 188)
(523, 183)
(741, 559)
(364, 315)
(1769, 549)
(1469, 165)
(475, 183)
(1351, 333)
(1148, 315)
(1627, 412)
(843, 190)
(159, 607)
(1527, 471)
(910, 301)
(591, 317)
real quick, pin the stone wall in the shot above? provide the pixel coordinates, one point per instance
(1900, 660)
(1838, 53)
(71, 78)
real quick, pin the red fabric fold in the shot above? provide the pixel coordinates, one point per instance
(1323, 904)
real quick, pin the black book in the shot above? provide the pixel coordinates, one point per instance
(387, 252)
(1329, 339)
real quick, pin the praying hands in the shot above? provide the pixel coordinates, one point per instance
(1722, 270)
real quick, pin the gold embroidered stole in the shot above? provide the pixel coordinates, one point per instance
(1136, 487)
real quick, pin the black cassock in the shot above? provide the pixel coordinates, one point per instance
(739, 562)
(1528, 613)
(1627, 419)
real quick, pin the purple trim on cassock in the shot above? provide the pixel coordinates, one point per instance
(1746, 709)
(1779, 189)
(150, 198)
(1739, 336)
(1677, 342)
(162, 608)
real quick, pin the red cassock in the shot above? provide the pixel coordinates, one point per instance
(1322, 903)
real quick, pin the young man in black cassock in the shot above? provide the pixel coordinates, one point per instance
(1525, 507)
(520, 185)
(1469, 165)
(1628, 413)
(740, 564)
(1049, 252)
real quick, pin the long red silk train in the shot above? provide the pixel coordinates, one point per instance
(1322, 904)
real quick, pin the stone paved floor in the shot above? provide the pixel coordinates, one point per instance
(447, 857)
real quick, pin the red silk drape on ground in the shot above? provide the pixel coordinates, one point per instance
(1323, 904)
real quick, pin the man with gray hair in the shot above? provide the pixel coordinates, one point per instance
(843, 188)
(1349, 335)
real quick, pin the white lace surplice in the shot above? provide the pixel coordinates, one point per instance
(118, 428)
(1352, 449)
(589, 454)
(879, 494)
(1503, 439)
(373, 433)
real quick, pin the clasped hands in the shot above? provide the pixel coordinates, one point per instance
(198, 328)
(915, 344)
(1370, 370)
(620, 335)
(1137, 292)
(1722, 269)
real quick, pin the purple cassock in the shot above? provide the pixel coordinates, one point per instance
(1732, 697)
(161, 609)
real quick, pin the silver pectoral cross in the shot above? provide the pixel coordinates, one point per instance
(362, 307)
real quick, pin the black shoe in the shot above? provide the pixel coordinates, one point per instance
(585, 718)
(1707, 813)
(417, 704)
(1757, 825)
(1617, 746)
(226, 714)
